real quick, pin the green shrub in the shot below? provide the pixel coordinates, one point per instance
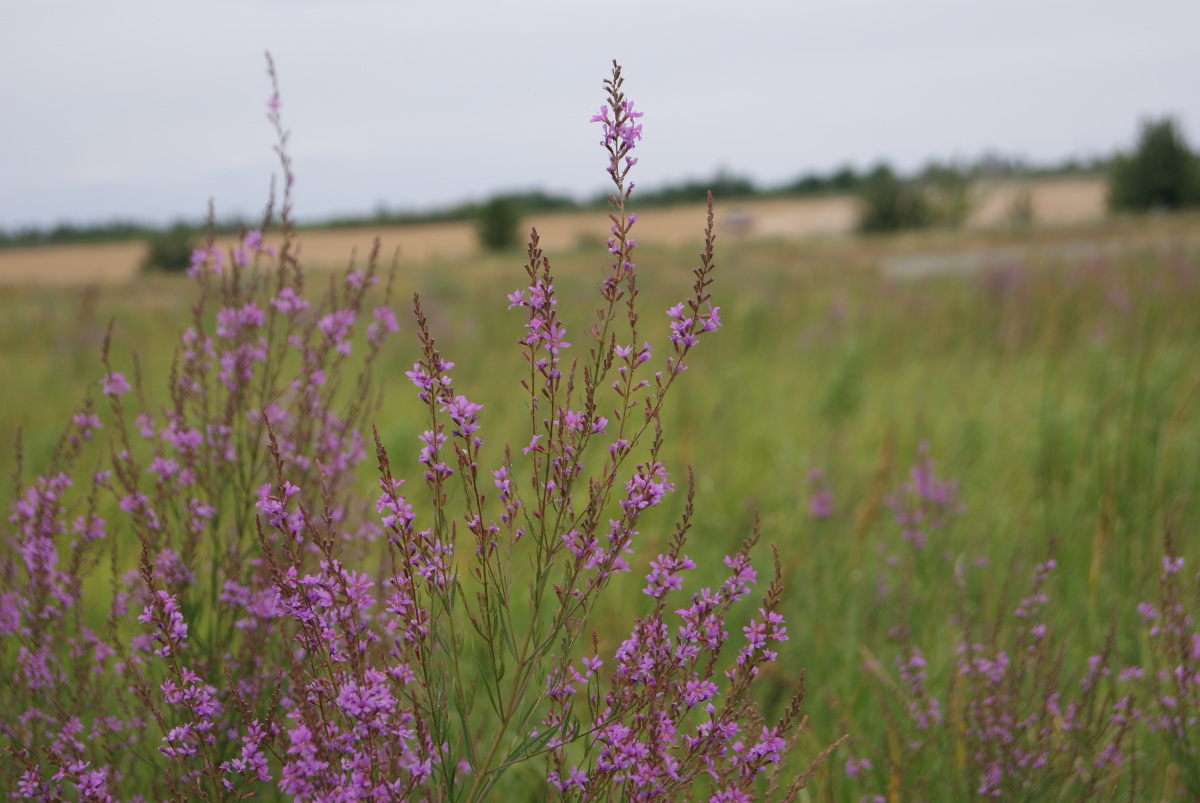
(889, 204)
(497, 224)
(948, 192)
(170, 250)
(1020, 212)
(1161, 173)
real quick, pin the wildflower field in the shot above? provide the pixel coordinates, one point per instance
(958, 512)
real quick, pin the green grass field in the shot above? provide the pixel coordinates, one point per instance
(1059, 390)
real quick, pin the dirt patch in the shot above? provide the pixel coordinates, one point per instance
(916, 266)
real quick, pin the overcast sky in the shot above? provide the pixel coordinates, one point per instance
(145, 110)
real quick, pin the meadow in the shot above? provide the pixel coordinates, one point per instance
(1057, 393)
(957, 471)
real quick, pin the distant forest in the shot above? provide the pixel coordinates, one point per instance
(724, 185)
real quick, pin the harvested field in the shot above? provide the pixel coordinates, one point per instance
(1052, 202)
(1055, 202)
(71, 264)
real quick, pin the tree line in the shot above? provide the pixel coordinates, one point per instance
(1161, 172)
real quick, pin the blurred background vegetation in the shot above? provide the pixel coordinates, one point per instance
(498, 222)
(1160, 171)
(171, 250)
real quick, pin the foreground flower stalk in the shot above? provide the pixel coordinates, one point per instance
(272, 630)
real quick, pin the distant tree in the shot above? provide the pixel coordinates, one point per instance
(1161, 173)
(170, 250)
(889, 204)
(497, 223)
(724, 186)
(533, 201)
(845, 180)
(809, 184)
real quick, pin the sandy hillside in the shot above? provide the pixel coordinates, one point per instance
(1052, 201)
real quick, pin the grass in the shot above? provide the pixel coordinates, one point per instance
(1060, 393)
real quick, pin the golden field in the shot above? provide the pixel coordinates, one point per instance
(1052, 202)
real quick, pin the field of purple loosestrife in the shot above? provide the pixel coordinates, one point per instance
(607, 529)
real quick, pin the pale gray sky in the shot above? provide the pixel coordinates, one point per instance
(146, 109)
